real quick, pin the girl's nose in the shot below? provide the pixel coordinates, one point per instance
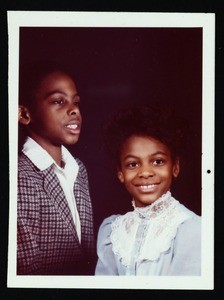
(146, 173)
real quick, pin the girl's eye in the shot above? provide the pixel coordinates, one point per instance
(158, 162)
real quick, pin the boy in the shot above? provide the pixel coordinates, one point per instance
(55, 223)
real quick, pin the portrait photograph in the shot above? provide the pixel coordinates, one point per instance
(112, 164)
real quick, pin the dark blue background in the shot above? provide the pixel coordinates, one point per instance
(115, 67)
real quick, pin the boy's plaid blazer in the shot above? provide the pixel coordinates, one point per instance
(47, 241)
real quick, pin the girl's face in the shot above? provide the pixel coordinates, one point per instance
(55, 119)
(146, 169)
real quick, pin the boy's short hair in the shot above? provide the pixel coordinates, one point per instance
(162, 124)
(30, 76)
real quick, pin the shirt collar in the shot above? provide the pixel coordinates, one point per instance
(43, 160)
(39, 156)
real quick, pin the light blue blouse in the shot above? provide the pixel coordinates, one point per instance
(182, 258)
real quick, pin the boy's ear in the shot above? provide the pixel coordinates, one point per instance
(120, 176)
(176, 168)
(23, 115)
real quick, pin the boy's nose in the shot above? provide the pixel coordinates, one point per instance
(73, 110)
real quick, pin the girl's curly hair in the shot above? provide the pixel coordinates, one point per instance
(160, 123)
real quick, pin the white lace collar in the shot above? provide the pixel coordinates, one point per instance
(163, 218)
(154, 209)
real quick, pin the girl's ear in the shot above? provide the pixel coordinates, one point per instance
(120, 176)
(23, 115)
(176, 168)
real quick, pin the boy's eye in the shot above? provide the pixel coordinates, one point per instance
(131, 165)
(59, 101)
(77, 100)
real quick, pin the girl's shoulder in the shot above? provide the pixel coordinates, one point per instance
(109, 220)
(193, 216)
(105, 230)
(109, 224)
(191, 226)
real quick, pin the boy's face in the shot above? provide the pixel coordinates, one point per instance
(55, 118)
(146, 169)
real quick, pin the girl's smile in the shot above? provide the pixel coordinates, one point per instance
(147, 188)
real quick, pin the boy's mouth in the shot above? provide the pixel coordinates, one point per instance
(72, 126)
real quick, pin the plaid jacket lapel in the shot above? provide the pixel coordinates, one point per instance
(84, 206)
(54, 190)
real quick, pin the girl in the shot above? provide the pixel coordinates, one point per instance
(159, 236)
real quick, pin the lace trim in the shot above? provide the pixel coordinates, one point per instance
(154, 209)
(161, 220)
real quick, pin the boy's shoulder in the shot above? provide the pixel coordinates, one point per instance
(27, 170)
(24, 163)
(79, 162)
(82, 167)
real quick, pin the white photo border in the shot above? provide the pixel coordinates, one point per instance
(206, 21)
